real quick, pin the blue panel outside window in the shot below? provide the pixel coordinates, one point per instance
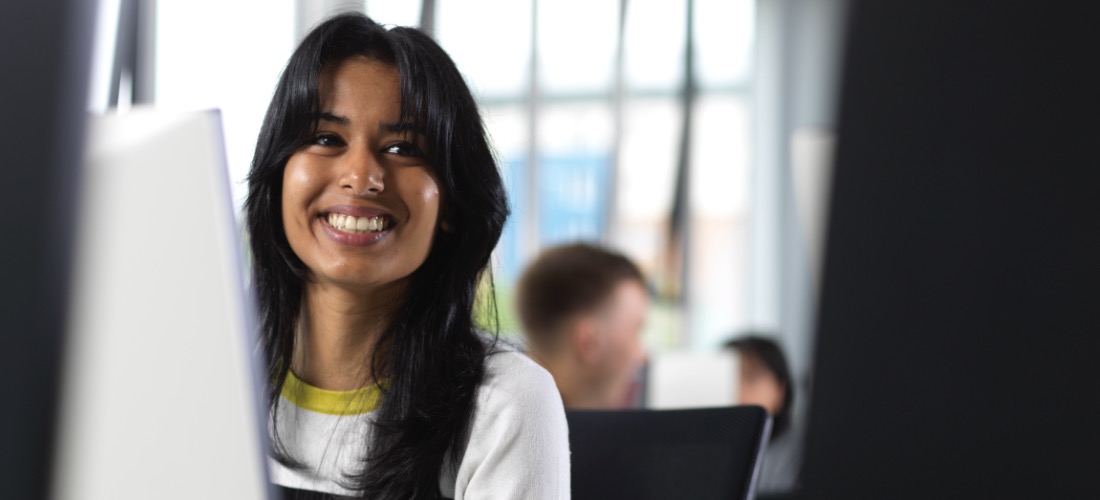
(572, 203)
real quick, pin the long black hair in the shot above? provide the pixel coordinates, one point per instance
(768, 352)
(433, 356)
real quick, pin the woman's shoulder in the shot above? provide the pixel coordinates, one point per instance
(508, 369)
(519, 440)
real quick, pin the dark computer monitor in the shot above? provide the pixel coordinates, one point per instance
(958, 331)
(45, 46)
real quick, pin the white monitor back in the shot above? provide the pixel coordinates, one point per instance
(691, 379)
(160, 396)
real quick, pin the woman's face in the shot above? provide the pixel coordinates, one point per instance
(758, 385)
(360, 202)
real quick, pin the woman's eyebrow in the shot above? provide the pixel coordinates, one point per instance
(400, 128)
(326, 116)
(391, 127)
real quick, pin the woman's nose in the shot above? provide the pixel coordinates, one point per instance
(362, 174)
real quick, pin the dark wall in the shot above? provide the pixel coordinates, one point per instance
(45, 48)
(960, 314)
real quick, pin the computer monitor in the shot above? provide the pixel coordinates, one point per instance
(161, 396)
(957, 331)
(691, 379)
(44, 54)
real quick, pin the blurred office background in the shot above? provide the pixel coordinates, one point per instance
(670, 130)
(960, 338)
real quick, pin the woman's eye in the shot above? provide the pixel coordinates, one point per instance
(404, 149)
(328, 140)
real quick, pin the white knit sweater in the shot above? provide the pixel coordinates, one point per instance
(518, 446)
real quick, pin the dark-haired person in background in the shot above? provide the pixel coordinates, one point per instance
(374, 204)
(765, 380)
(583, 308)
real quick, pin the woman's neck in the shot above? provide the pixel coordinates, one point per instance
(338, 332)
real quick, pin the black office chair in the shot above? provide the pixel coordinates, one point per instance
(708, 453)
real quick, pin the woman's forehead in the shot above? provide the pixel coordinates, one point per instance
(359, 79)
(350, 84)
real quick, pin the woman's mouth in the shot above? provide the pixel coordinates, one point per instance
(358, 225)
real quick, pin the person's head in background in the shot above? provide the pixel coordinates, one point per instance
(764, 379)
(583, 308)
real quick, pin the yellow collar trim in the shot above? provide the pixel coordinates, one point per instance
(342, 403)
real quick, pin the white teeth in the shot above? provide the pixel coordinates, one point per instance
(351, 224)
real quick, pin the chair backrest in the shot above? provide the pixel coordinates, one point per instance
(706, 453)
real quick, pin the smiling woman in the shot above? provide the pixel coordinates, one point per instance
(374, 204)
